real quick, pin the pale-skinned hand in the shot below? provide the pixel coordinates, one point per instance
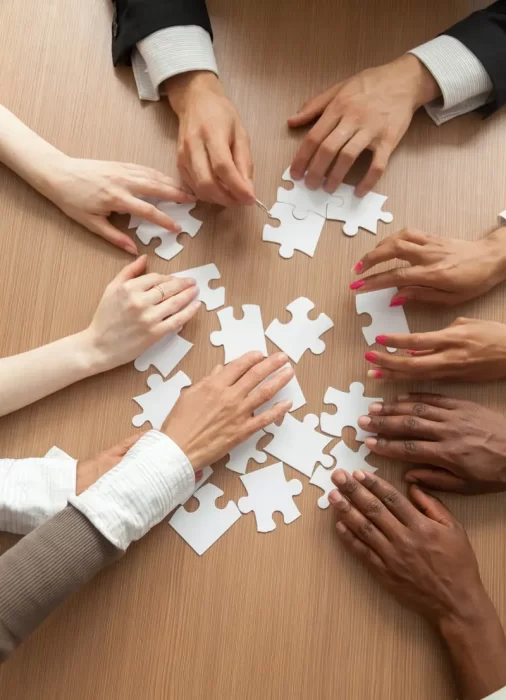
(90, 470)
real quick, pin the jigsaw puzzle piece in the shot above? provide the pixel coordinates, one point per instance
(202, 528)
(207, 472)
(301, 333)
(303, 200)
(290, 392)
(352, 461)
(299, 444)
(240, 336)
(169, 247)
(323, 479)
(293, 234)
(165, 354)
(358, 212)
(350, 406)
(212, 298)
(241, 455)
(268, 493)
(386, 319)
(159, 402)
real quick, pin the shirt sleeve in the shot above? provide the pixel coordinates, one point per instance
(169, 52)
(502, 218)
(464, 82)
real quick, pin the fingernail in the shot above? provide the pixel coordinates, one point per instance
(359, 476)
(358, 267)
(398, 301)
(296, 174)
(371, 442)
(131, 249)
(411, 352)
(371, 357)
(339, 476)
(335, 496)
(364, 421)
(375, 374)
(376, 407)
(403, 397)
(341, 528)
(357, 285)
(381, 339)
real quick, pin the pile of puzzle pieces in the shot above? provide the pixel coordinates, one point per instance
(299, 444)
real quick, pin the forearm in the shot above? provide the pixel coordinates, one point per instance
(29, 376)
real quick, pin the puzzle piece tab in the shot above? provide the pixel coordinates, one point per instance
(303, 200)
(169, 247)
(159, 402)
(241, 455)
(212, 298)
(358, 212)
(165, 354)
(240, 336)
(323, 479)
(207, 524)
(352, 461)
(299, 444)
(386, 319)
(268, 493)
(293, 234)
(301, 333)
(350, 406)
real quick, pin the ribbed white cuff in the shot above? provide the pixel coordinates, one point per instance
(169, 52)
(33, 490)
(464, 82)
(152, 478)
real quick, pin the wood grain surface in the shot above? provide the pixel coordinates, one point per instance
(280, 615)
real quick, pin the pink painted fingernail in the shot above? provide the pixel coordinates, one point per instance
(357, 285)
(358, 267)
(381, 339)
(398, 301)
(375, 374)
(411, 352)
(371, 357)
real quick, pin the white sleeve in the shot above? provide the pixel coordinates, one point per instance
(151, 480)
(34, 490)
(498, 695)
(168, 52)
(502, 218)
(464, 82)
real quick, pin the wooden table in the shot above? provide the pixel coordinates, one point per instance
(281, 615)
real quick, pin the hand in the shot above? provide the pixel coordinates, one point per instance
(88, 191)
(216, 414)
(371, 110)
(213, 150)
(443, 271)
(469, 349)
(132, 315)
(465, 441)
(89, 470)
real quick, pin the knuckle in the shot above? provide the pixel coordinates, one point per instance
(221, 167)
(420, 409)
(373, 509)
(327, 150)
(312, 140)
(365, 529)
(263, 394)
(409, 447)
(391, 498)
(411, 423)
(349, 487)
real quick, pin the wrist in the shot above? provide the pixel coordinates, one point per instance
(496, 241)
(421, 83)
(90, 356)
(182, 88)
(45, 178)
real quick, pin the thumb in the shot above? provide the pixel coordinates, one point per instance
(132, 270)
(431, 507)
(437, 479)
(312, 108)
(427, 295)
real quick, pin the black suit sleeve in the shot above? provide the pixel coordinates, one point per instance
(136, 19)
(484, 33)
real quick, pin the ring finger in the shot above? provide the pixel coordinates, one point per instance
(174, 303)
(363, 528)
(401, 426)
(167, 287)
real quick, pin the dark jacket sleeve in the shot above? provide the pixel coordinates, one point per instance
(136, 19)
(484, 33)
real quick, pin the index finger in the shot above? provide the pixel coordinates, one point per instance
(393, 500)
(150, 213)
(223, 165)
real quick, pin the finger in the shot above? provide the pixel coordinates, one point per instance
(425, 295)
(398, 277)
(148, 281)
(392, 499)
(248, 375)
(376, 169)
(393, 367)
(224, 167)
(103, 228)
(436, 340)
(174, 304)
(431, 507)
(272, 415)
(323, 127)
(267, 389)
(180, 319)
(149, 212)
(132, 270)
(326, 153)
(395, 248)
(148, 187)
(418, 451)
(405, 406)
(359, 550)
(401, 426)
(205, 183)
(367, 503)
(313, 108)
(438, 400)
(437, 479)
(168, 287)
(237, 368)
(347, 156)
(241, 154)
(216, 370)
(362, 527)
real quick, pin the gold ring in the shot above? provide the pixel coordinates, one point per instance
(158, 287)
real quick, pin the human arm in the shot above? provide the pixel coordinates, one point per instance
(88, 191)
(422, 556)
(130, 317)
(155, 475)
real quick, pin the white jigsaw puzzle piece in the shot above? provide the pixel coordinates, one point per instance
(386, 319)
(301, 333)
(202, 528)
(293, 234)
(165, 354)
(350, 406)
(303, 200)
(269, 492)
(207, 472)
(352, 461)
(240, 336)
(159, 402)
(359, 212)
(323, 479)
(241, 455)
(169, 247)
(290, 392)
(212, 298)
(299, 444)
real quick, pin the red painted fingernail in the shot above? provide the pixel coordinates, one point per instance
(357, 285)
(375, 374)
(359, 267)
(381, 339)
(411, 352)
(399, 301)
(371, 357)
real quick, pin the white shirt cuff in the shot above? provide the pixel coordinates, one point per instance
(169, 52)
(502, 218)
(150, 481)
(34, 490)
(498, 695)
(464, 82)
